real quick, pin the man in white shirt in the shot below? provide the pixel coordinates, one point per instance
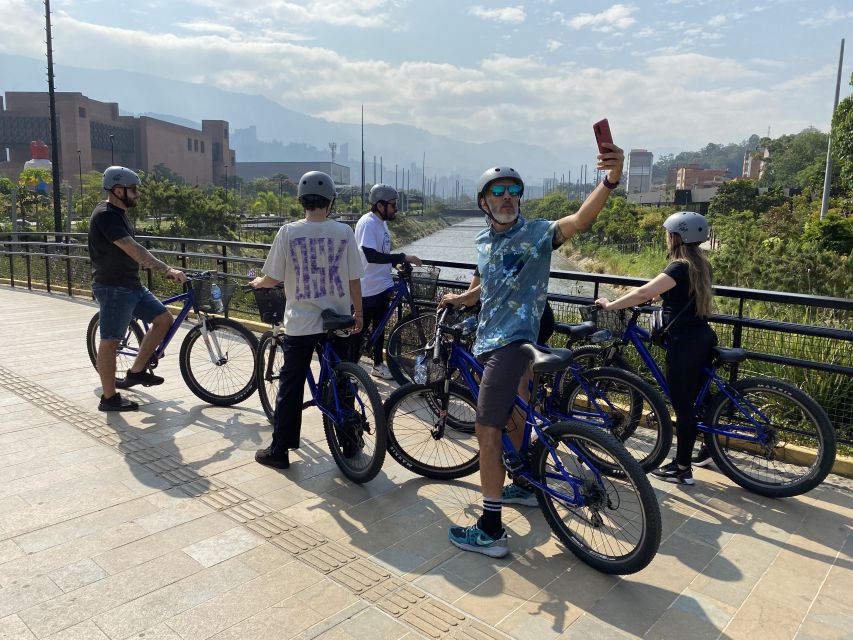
(318, 261)
(374, 240)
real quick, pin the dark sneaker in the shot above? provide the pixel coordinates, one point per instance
(671, 473)
(268, 458)
(513, 494)
(702, 457)
(145, 378)
(474, 539)
(117, 403)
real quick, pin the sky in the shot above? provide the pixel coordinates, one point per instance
(669, 75)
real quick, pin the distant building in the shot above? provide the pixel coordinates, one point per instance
(691, 177)
(293, 170)
(92, 136)
(639, 171)
(754, 163)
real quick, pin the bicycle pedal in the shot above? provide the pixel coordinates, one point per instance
(512, 463)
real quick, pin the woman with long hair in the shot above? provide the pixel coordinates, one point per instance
(685, 288)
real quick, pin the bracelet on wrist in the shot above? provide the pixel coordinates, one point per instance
(608, 184)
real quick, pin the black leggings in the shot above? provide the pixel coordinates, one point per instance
(373, 308)
(688, 351)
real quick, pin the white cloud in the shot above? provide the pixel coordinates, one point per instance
(513, 15)
(553, 45)
(717, 21)
(833, 15)
(354, 13)
(616, 18)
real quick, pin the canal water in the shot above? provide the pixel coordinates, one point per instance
(456, 244)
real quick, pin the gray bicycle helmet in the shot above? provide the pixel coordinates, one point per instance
(496, 173)
(119, 177)
(382, 193)
(691, 226)
(316, 183)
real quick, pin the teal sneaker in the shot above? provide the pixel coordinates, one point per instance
(475, 539)
(513, 494)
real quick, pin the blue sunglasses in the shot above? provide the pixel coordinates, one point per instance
(499, 189)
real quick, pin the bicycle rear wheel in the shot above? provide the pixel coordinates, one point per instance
(221, 381)
(625, 405)
(356, 434)
(127, 349)
(268, 366)
(591, 356)
(613, 524)
(421, 440)
(799, 442)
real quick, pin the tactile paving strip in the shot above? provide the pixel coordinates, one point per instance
(423, 613)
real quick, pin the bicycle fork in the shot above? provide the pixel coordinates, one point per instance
(217, 357)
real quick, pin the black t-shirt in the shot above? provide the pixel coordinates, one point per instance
(111, 265)
(679, 297)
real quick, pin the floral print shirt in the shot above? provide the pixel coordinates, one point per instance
(514, 266)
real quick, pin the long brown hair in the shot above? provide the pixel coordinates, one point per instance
(699, 269)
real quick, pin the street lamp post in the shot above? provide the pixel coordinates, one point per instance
(226, 187)
(280, 181)
(112, 151)
(80, 172)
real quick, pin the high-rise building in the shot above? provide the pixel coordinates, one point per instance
(639, 171)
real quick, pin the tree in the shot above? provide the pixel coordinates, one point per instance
(791, 156)
(842, 141)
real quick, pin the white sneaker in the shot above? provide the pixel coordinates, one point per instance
(381, 371)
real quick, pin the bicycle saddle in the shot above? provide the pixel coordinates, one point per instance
(729, 356)
(575, 331)
(333, 321)
(547, 360)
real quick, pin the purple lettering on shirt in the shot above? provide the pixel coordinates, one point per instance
(299, 257)
(335, 258)
(318, 273)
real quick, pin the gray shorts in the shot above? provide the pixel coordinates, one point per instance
(502, 372)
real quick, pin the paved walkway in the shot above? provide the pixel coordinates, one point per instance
(159, 525)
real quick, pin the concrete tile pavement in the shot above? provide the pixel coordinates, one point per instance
(159, 524)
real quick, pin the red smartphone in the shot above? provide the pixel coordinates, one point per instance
(602, 134)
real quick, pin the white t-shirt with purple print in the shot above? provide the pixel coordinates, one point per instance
(316, 261)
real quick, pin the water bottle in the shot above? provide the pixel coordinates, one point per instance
(421, 369)
(216, 298)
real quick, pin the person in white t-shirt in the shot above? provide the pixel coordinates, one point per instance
(372, 236)
(318, 261)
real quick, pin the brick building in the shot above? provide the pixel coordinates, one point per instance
(93, 135)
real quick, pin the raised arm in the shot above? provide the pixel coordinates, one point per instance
(146, 260)
(594, 203)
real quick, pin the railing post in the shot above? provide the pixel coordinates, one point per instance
(183, 256)
(68, 264)
(28, 260)
(12, 264)
(46, 250)
(737, 335)
(150, 277)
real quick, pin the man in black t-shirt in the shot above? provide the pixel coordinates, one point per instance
(116, 258)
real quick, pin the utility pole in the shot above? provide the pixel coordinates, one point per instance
(362, 160)
(827, 178)
(54, 137)
(380, 169)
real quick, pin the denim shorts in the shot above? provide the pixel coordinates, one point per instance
(121, 304)
(502, 372)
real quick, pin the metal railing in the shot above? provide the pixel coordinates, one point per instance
(806, 340)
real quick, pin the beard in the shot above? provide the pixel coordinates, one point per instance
(132, 203)
(504, 217)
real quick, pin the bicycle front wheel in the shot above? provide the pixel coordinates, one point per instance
(268, 366)
(611, 523)
(220, 368)
(128, 346)
(432, 445)
(406, 342)
(797, 450)
(356, 430)
(624, 404)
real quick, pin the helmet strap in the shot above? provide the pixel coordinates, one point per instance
(492, 219)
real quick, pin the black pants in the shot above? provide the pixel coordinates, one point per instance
(373, 308)
(298, 351)
(688, 351)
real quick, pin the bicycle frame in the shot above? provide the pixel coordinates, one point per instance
(328, 360)
(465, 363)
(637, 336)
(401, 293)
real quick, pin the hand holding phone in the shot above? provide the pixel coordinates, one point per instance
(602, 134)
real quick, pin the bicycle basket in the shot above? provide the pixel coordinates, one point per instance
(208, 299)
(614, 321)
(270, 303)
(424, 282)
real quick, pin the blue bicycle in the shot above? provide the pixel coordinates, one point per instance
(217, 355)
(353, 420)
(764, 434)
(611, 521)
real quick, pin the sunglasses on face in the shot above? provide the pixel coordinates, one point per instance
(498, 190)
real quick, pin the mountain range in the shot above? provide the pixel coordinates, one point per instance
(265, 130)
